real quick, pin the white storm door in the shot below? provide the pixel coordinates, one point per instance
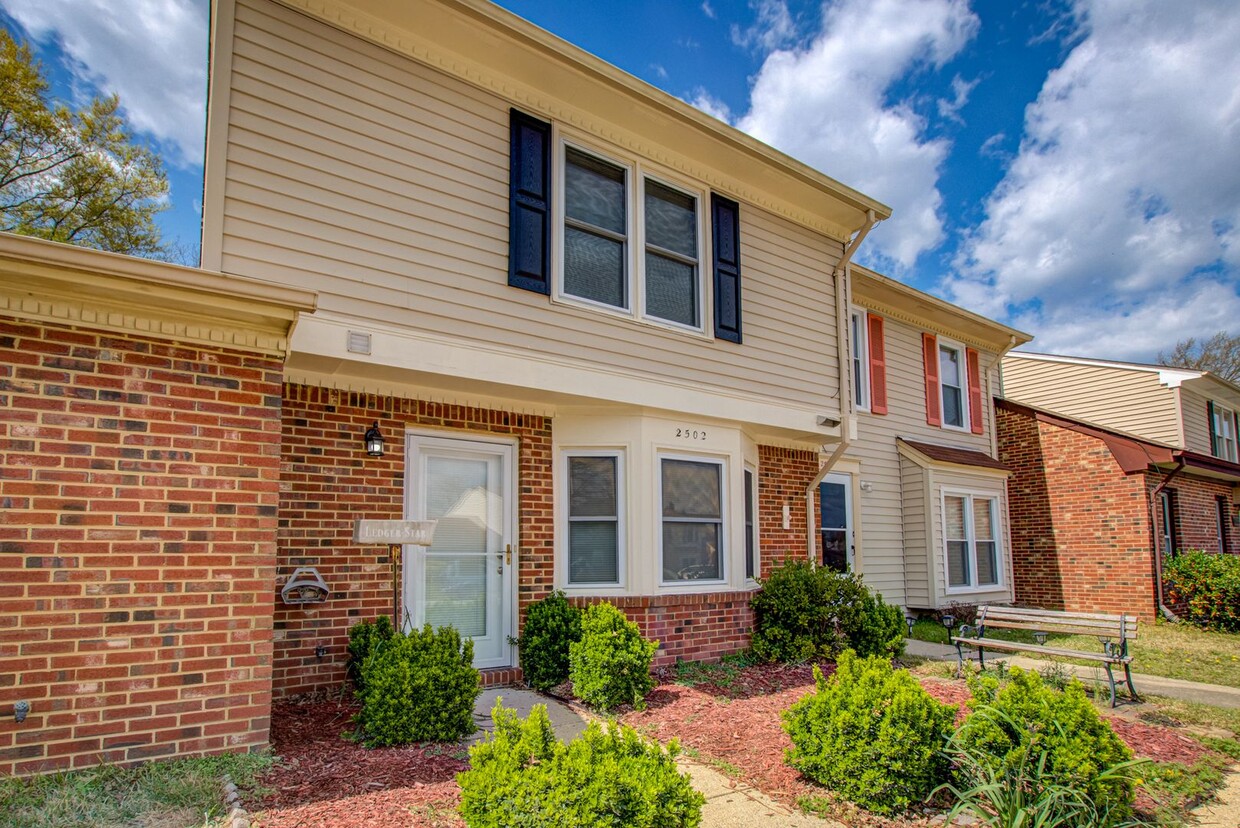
(838, 546)
(464, 579)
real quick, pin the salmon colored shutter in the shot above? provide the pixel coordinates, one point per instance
(878, 366)
(975, 390)
(930, 360)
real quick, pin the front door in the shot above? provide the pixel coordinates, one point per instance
(836, 551)
(465, 578)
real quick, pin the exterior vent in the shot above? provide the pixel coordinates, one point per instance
(359, 343)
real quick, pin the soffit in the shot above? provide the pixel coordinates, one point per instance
(52, 282)
(545, 75)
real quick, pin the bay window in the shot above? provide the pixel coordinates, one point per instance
(971, 540)
(595, 518)
(691, 501)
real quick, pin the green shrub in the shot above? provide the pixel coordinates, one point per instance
(551, 625)
(522, 776)
(1026, 792)
(805, 612)
(871, 734)
(610, 665)
(364, 637)
(418, 687)
(1209, 585)
(1027, 718)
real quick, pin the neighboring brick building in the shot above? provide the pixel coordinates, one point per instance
(139, 469)
(1089, 505)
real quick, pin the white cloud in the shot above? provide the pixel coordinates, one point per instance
(659, 70)
(708, 9)
(826, 104)
(773, 29)
(961, 89)
(1113, 230)
(153, 53)
(992, 147)
(711, 105)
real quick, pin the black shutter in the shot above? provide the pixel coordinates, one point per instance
(1214, 448)
(726, 230)
(529, 204)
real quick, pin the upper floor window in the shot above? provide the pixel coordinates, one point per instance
(952, 385)
(971, 538)
(859, 342)
(605, 222)
(1222, 432)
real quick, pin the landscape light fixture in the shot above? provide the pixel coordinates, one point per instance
(910, 620)
(949, 621)
(374, 441)
(1040, 637)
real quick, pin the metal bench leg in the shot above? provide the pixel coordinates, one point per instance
(1111, 679)
(959, 658)
(981, 657)
(1128, 678)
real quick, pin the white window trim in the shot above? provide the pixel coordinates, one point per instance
(724, 519)
(1224, 416)
(964, 387)
(754, 532)
(996, 522)
(636, 173)
(621, 520)
(861, 388)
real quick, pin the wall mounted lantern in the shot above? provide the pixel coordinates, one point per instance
(374, 441)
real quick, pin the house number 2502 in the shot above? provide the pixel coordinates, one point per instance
(691, 433)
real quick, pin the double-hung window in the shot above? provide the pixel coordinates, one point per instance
(952, 385)
(691, 507)
(971, 538)
(860, 359)
(1223, 431)
(631, 247)
(752, 567)
(595, 518)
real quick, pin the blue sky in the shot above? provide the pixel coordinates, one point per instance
(1066, 166)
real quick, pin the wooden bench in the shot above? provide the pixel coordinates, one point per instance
(1113, 633)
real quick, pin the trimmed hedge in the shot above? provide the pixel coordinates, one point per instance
(552, 625)
(523, 777)
(1209, 584)
(805, 612)
(610, 665)
(364, 638)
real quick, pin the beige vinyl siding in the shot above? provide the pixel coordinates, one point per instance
(885, 551)
(1123, 399)
(383, 184)
(916, 556)
(1195, 396)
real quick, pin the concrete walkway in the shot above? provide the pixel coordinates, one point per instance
(1213, 694)
(729, 803)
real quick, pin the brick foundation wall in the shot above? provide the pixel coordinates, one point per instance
(138, 479)
(1080, 526)
(327, 481)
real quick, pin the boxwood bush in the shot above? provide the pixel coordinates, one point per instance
(610, 665)
(417, 687)
(364, 637)
(871, 734)
(551, 626)
(1209, 585)
(1026, 717)
(805, 612)
(521, 776)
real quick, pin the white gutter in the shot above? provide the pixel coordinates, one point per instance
(847, 422)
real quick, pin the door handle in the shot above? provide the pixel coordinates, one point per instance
(508, 554)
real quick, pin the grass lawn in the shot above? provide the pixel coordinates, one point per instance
(172, 794)
(1177, 651)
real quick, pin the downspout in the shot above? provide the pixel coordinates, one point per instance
(1158, 578)
(841, 345)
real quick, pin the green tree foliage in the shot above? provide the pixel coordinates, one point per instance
(871, 734)
(610, 665)
(523, 777)
(1220, 355)
(68, 176)
(551, 625)
(1209, 586)
(805, 612)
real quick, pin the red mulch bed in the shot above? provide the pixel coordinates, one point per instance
(324, 779)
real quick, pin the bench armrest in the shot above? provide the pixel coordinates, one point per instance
(966, 631)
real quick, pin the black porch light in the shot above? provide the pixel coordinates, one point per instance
(374, 441)
(949, 621)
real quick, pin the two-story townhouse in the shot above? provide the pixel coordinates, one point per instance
(918, 503)
(1117, 466)
(598, 330)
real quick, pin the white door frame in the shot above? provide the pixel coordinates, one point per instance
(845, 479)
(506, 450)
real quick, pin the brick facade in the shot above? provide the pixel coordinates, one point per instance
(1082, 529)
(327, 481)
(139, 483)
